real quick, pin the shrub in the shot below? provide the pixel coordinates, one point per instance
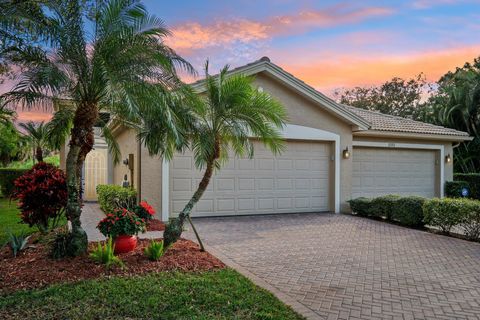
(473, 180)
(155, 250)
(144, 210)
(121, 222)
(471, 219)
(382, 206)
(453, 189)
(361, 206)
(111, 197)
(59, 248)
(18, 242)
(105, 254)
(408, 211)
(42, 195)
(7, 179)
(444, 213)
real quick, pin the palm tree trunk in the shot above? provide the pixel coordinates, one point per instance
(174, 228)
(39, 154)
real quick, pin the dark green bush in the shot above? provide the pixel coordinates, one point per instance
(453, 189)
(444, 213)
(382, 206)
(111, 197)
(471, 220)
(361, 206)
(408, 211)
(7, 177)
(473, 180)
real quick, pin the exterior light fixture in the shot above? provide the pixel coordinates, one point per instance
(346, 153)
(448, 158)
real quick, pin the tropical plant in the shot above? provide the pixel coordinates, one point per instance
(155, 250)
(105, 254)
(231, 112)
(117, 62)
(18, 242)
(36, 134)
(121, 222)
(144, 210)
(42, 195)
(6, 114)
(9, 143)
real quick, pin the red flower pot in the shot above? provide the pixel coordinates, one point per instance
(124, 243)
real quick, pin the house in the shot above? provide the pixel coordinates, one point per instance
(334, 153)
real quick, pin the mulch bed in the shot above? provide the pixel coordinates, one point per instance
(155, 225)
(33, 268)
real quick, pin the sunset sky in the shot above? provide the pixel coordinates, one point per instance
(328, 44)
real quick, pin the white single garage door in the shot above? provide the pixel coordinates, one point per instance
(381, 171)
(295, 181)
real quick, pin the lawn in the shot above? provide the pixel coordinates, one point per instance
(223, 294)
(10, 220)
(55, 160)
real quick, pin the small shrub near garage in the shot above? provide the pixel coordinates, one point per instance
(382, 207)
(473, 180)
(111, 197)
(7, 179)
(453, 189)
(471, 219)
(444, 213)
(361, 206)
(408, 211)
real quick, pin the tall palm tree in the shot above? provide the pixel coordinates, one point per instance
(231, 112)
(117, 62)
(37, 135)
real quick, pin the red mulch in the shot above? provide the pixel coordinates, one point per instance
(155, 225)
(33, 268)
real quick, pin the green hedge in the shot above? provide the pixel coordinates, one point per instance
(453, 189)
(361, 206)
(382, 207)
(473, 180)
(446, 213)
(7, 178)
(111, 197)
(408, 211)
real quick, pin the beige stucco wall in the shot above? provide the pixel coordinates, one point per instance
(151, 180)
(127, 141)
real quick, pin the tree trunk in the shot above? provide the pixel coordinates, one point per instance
(82, 140)
(174, 228)
(39, 154)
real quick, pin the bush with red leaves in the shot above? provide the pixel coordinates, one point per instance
(42, 195)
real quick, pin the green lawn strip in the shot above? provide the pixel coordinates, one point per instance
(223, 294)
(55, 160)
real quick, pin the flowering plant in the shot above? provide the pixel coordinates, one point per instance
(144, 210)
(121, 222)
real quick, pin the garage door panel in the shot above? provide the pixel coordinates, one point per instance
(378, 171)
(295, 181)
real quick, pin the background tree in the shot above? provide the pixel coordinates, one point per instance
(9, 143)
(231, 111)
(397, 97)
(118, 63)
(36, 133)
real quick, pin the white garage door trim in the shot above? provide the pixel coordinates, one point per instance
(392, 145)
(290, 132)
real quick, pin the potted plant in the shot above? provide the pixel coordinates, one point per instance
(122, 226)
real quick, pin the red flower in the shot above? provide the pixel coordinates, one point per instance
(147, 207)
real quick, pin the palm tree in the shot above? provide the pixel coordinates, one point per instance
(37, 136)
(231, 112)
(118, 62)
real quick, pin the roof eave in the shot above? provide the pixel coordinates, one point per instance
(411, 135)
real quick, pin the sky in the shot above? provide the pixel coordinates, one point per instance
(327, 44)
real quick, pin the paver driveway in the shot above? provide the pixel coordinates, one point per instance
(346, 267)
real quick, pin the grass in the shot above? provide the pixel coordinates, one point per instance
(55, 160)
(223, 294)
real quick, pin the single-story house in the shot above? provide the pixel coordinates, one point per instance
(334, 153)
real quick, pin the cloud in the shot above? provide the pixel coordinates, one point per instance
(348, 70)
(426, 4)
(36, 116)
(193, 35)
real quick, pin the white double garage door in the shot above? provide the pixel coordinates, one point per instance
(300, 179)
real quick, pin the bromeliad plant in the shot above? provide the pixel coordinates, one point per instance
(155, 250)
(121, 222)
(105, 254)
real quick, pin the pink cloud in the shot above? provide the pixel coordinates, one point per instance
(36, 116)
(193, 35)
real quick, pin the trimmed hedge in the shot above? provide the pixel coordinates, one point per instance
(408, 211)
(7, 179)
(473, 180)
(382, 207)
(361, 206)
(111, 197)
(453, 189)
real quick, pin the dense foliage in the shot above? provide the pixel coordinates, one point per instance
(7, 180)
(382, 207)
(453, 189)
(144, 210)
(473, 180)
(42, 195)
(9, 143)
(408, 211)
(111, 197)
(121, 222)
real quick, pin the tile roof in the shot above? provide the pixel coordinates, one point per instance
(384, 122)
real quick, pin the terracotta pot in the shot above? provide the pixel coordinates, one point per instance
(124, 243)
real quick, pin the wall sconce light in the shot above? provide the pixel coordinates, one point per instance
(448, 158)
(125, 161)
(346, 153)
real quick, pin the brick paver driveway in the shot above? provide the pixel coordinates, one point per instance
(346, 267)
